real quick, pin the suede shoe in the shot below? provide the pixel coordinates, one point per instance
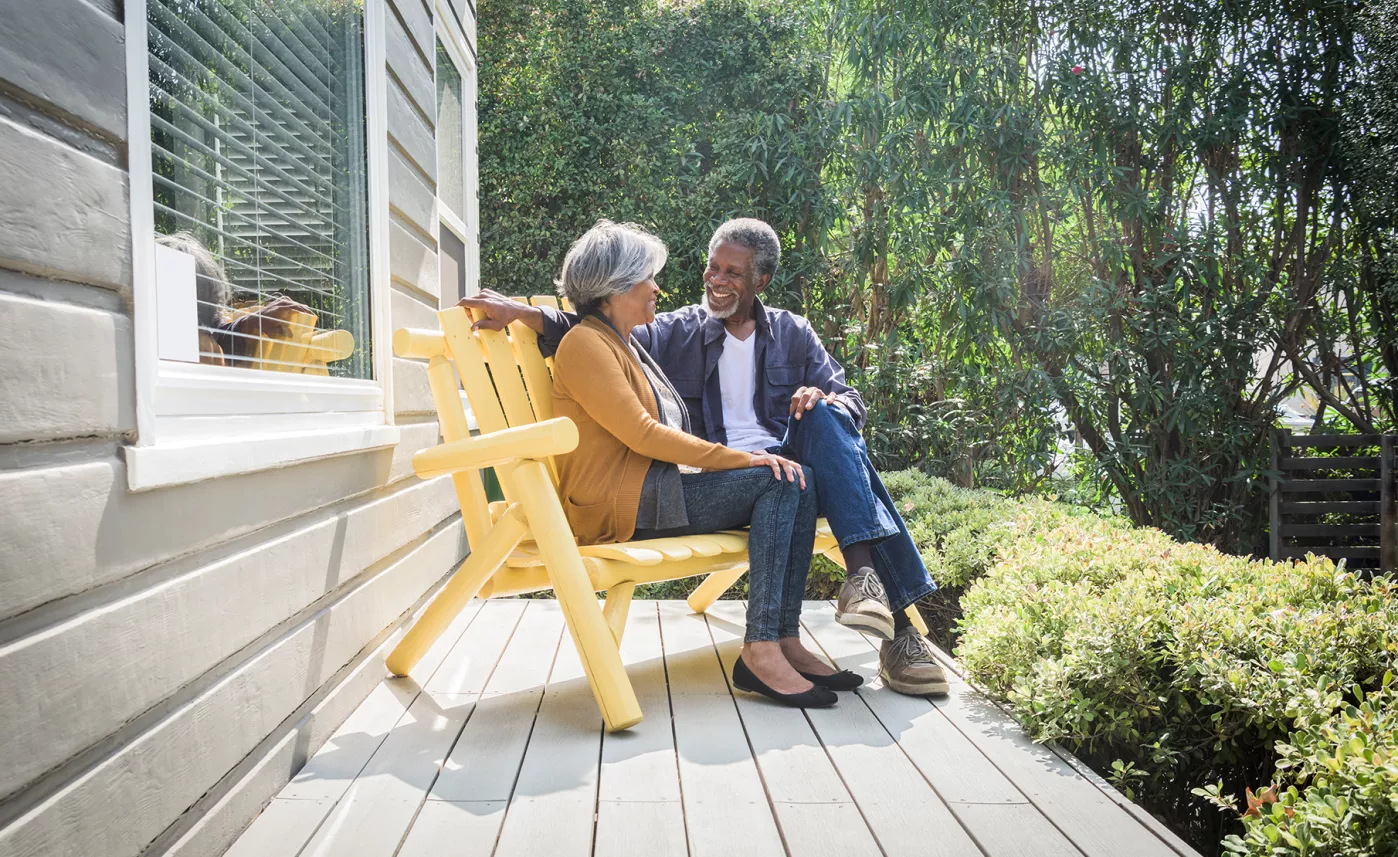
(907, 665)
(863, 605)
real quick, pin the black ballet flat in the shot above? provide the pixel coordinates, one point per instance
(842, 680)
(816, 697)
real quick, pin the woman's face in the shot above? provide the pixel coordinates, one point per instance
(638, 304)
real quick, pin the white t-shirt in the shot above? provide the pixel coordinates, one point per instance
(737, 379)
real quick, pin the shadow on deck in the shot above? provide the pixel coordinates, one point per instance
(494, 747)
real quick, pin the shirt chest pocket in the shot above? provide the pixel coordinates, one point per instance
(690, 389)
(782, 383)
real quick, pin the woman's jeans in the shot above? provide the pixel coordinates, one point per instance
(853, 500)
(782, 517)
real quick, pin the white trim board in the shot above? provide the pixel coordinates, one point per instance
(177, 463)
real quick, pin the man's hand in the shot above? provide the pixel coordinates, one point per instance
(806, 397)
(780, 467)
(500, 311)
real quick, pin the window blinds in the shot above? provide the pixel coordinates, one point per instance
(258, 151)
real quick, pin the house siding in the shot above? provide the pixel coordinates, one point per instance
(170, 658)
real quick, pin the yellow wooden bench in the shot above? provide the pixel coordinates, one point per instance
(524, 543)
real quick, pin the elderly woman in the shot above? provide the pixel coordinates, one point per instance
(639, 473)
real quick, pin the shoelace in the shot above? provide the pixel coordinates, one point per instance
(871, 587)
(913, 648)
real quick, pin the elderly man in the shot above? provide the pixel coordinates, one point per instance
(757, 378)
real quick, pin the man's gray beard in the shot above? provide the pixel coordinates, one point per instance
(718, 315)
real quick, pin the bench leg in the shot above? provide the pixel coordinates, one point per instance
(597, 648)
(916, 618)
(617, 606)
(482, 562)
(714, 586)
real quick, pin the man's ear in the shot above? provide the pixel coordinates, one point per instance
(762, 282)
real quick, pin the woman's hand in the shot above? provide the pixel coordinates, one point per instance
(779, 466)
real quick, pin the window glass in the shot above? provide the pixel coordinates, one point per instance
(258, 156)
(452, 264)
(451, 163)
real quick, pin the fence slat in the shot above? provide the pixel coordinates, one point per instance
(1274, 499)
(1314, 486)
(1297, 552)
(1339, 462)
(1320, 531)
(1336, 507)
(1335, 441)
(1388, 505)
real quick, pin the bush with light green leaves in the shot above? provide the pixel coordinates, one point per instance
(1347, 798)
(1189, 676)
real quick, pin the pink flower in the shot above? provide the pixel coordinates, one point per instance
(1077, 69)
(907, 507)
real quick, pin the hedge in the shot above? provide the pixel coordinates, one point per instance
(1194, 680)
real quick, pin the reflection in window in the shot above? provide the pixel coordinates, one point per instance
(451, 162)
(258, 154)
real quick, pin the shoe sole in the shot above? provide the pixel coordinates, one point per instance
(756, 692)
(872, 625)
(930, 688)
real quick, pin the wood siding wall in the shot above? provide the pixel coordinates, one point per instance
(168, 659)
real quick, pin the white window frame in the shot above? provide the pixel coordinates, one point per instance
(195, 421)
(453, 38)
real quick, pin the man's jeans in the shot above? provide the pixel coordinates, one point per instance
(852, 498)
(780, 542)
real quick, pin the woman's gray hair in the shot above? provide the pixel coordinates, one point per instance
(609, 259)
(755, 235)
(210, 282)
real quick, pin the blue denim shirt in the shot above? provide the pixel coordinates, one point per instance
(687, 344)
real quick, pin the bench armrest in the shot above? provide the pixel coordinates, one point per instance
(536, 441)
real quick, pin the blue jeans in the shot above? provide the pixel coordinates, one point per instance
(782, 517)
(852, 498)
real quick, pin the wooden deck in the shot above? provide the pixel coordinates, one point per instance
(494, 747)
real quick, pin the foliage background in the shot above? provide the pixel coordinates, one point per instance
(1085, 248)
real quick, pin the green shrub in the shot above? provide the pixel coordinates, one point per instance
(1172, 664)
(1341, 787)
(1342, 795)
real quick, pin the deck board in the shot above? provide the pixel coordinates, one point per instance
(374, 816)
(494, 748)
(987, 806)
(638, 795)
(555, 798)
(795, 767)
(297, 813)
(725, 806)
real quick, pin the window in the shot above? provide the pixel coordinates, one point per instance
(254, 282)
(451, 159)
(455, 161)
(258, 154)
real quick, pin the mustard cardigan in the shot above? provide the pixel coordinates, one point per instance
(599, 385)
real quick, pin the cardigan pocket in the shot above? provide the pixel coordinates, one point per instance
(592, 523)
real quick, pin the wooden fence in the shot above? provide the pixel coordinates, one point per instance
(1335, 495)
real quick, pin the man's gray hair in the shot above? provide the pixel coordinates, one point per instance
(609, 259)
(755, 235)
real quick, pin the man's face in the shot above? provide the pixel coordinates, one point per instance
(730, 281)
